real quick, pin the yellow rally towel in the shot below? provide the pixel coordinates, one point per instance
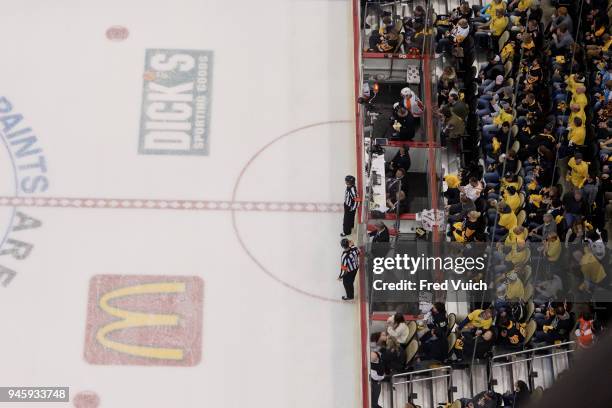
(496, 145)
(535, 199)
(533, 186)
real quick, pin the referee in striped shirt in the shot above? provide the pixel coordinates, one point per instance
(349, 265)
(350, 206)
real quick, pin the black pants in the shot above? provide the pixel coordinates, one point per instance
(348, 280)
(375, 387)
(349, 220)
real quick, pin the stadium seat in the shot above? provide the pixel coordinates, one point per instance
(412, 329)
(522, 197)
(520, 217)
(507, 68)
(456, 404)
(527, 275)
(528, 291)
(529, 308)
(503, 39)
(521, 181)
(452, 338)
(537, 394)
(411, 350)
(515, 130)
(515, 146)
(452, 319)
(529, 331)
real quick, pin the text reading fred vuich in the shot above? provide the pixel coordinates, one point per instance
(410, 265)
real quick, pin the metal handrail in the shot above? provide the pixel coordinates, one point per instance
(428, 370)
(423, 379)
(531, 359)
(531, 350)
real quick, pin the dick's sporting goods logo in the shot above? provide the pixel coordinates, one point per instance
(176, 102)
(144, 320)
(23, 171)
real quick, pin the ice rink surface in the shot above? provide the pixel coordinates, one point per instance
(253, 293)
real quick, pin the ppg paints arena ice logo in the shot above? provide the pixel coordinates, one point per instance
(23, 169)
(176, 102)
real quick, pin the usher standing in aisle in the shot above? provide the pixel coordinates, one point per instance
(349, 265)
(350, 206)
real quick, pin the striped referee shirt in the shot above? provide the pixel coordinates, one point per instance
(349, 260)
(350, 196)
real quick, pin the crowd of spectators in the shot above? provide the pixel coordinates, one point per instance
(533, 129)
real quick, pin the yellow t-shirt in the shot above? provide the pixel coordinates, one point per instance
(553, 252)
(524, 4)
(514, 200)
(503, 117)
(496, 6)
(571, 84)
(477, 321)
(580, 172)
(515, 290)
(581, 100)
(498, 25)
(518, 257)
(579, 114)
(508, 221)
(513, 238)
(576, 135)
(591, 268)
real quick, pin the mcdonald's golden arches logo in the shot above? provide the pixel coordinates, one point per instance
(144, 320)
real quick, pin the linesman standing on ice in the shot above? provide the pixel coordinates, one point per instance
(349, 265)
(350, 206)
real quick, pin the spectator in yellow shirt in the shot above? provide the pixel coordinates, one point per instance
(552, 247)
(579, 170)
(493, 7)
(579, 97)
(478, 319)
(515, 290)
(506, 223)
(512, 198)
(519, 254)
(576, 111)
(592, 270)
(577, 132)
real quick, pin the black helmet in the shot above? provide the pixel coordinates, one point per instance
(345, 243)
(350, 179)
